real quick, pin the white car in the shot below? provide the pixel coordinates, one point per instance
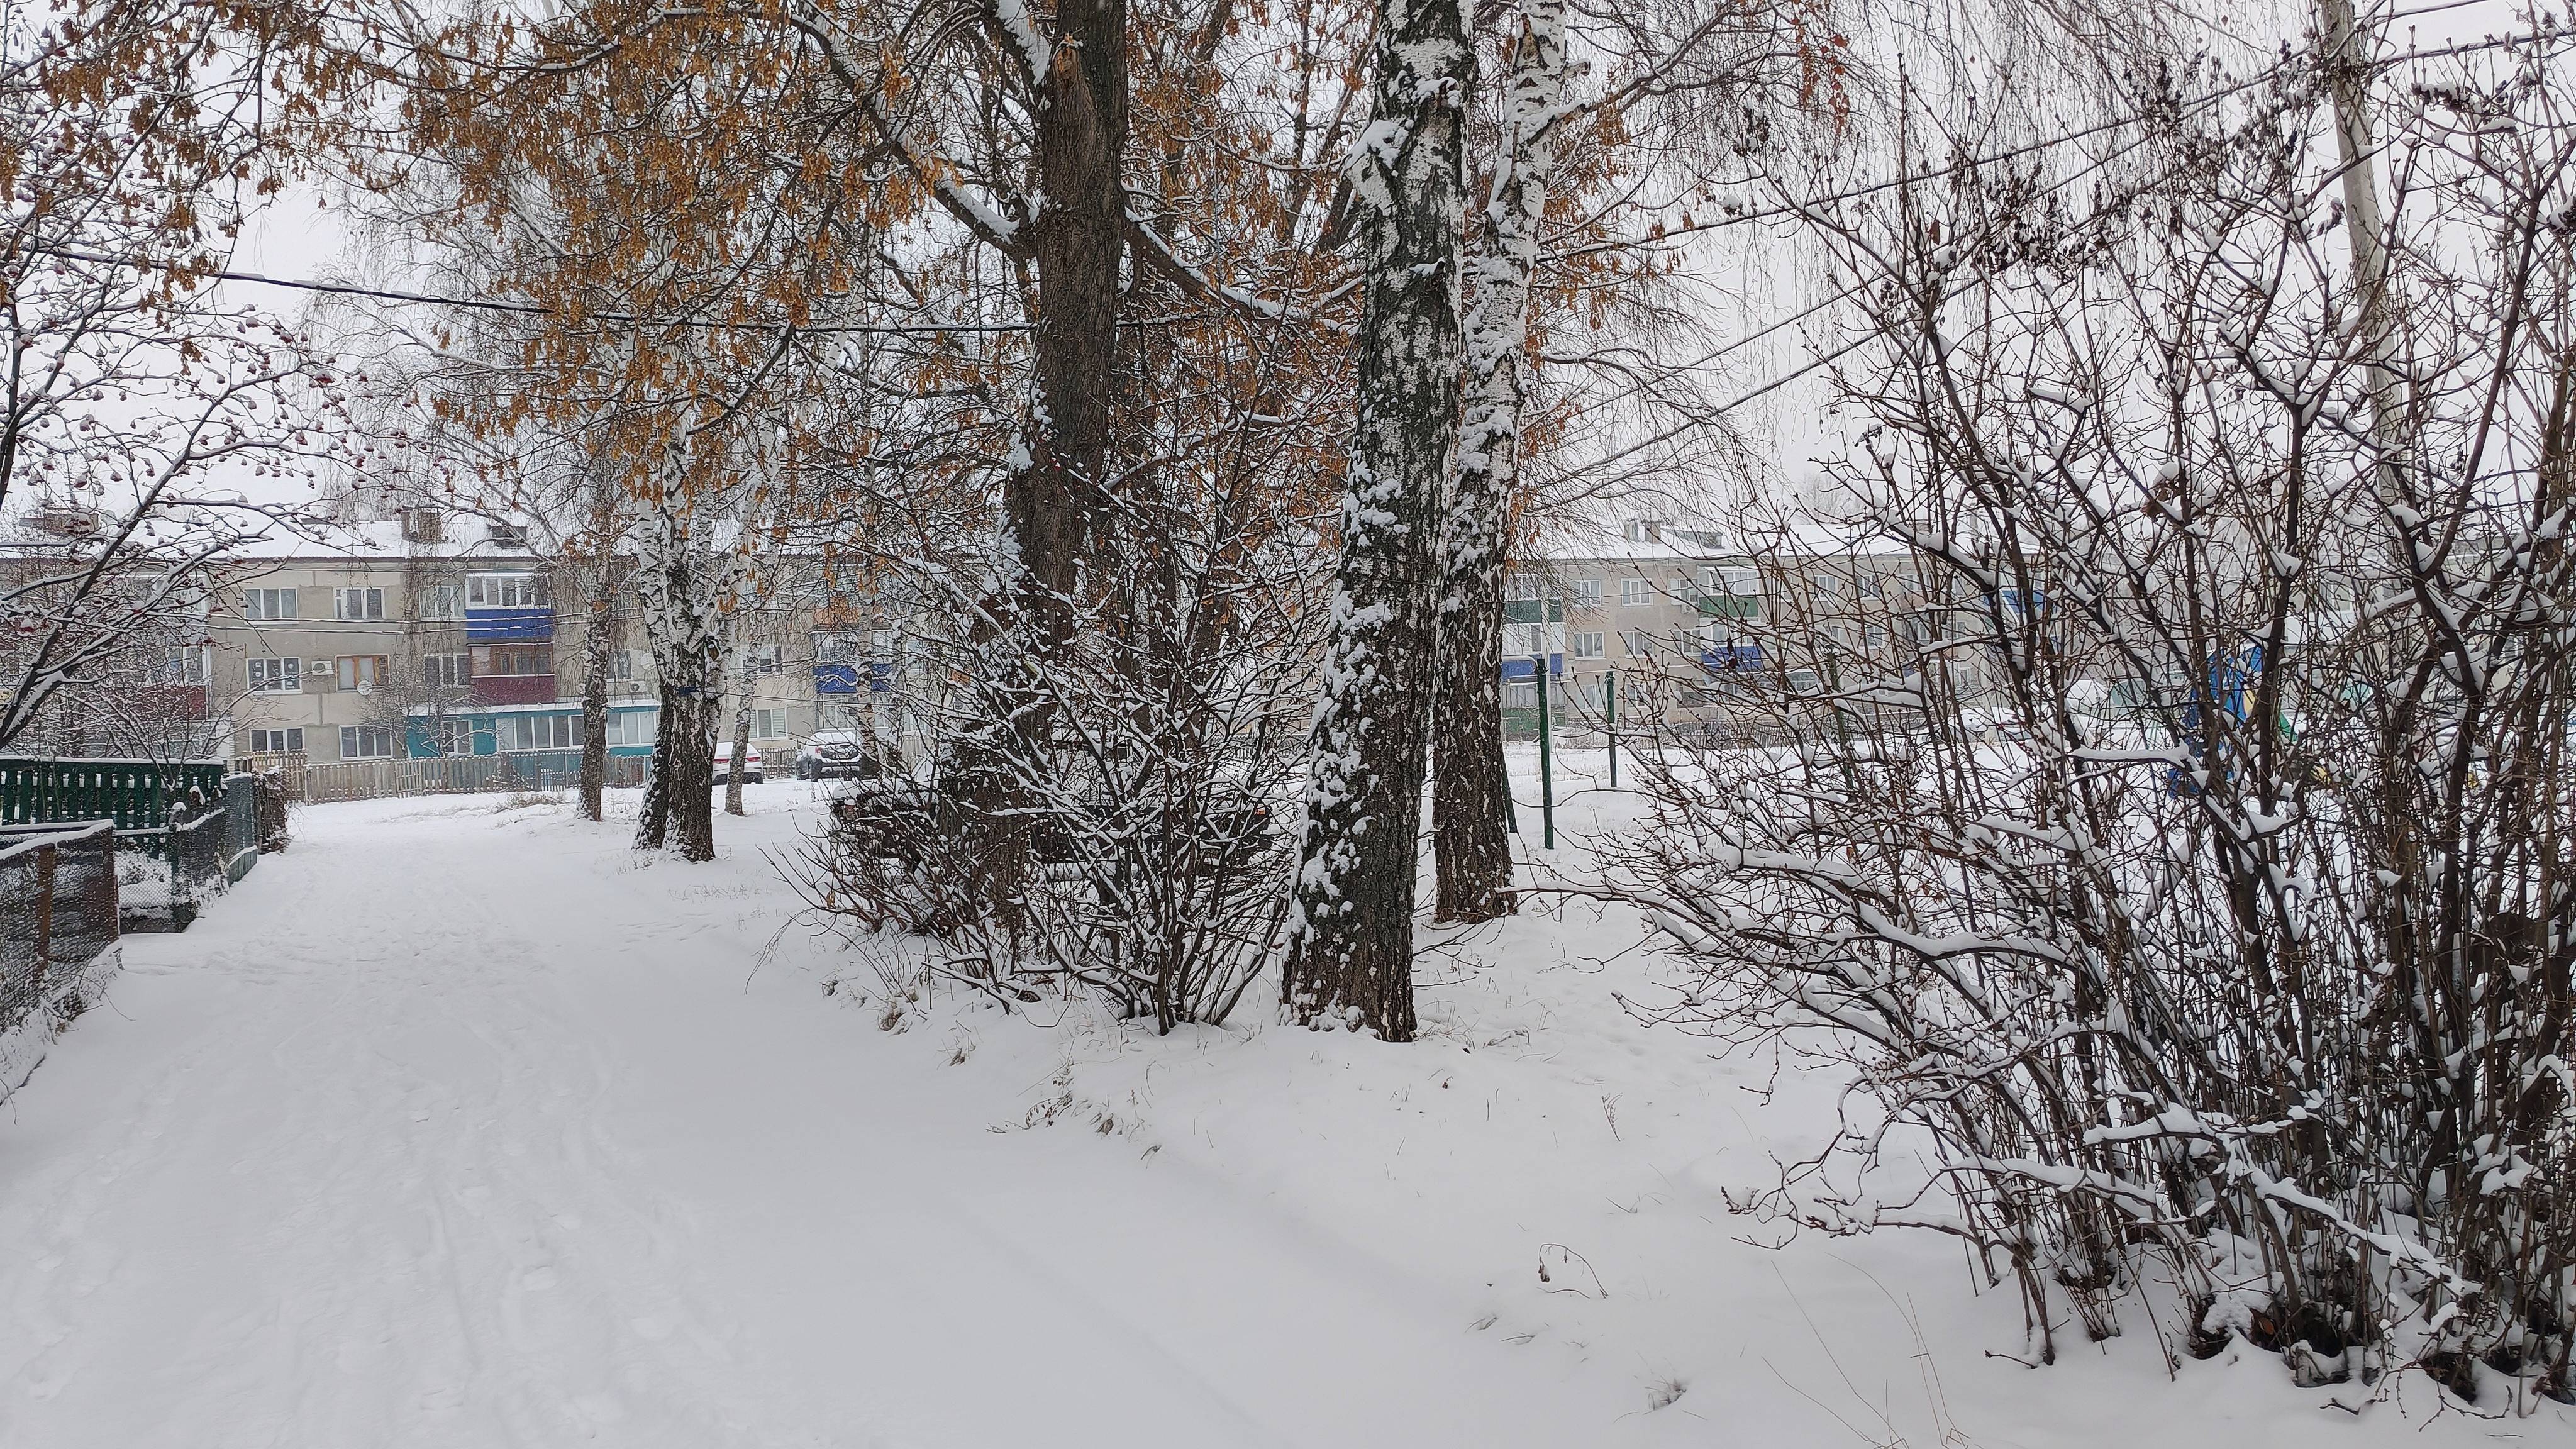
(752, 771)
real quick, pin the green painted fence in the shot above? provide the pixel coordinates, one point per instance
(136, 794)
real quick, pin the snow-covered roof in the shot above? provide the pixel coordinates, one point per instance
(1660, 541)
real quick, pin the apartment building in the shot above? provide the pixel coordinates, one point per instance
(1678, 620)
(435, 636)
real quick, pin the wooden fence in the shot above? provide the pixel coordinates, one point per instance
(323, 783)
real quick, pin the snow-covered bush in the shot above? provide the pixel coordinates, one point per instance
(2175, 853)
(1117, 813)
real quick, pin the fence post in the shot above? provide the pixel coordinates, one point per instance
(44, 916)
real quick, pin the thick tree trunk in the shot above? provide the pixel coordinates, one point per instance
(692, 774)
(1076, 240)
(604, 493)
(653, 821)
(594, 687)
(1471, 829)
(1350, 953)
(686, 596)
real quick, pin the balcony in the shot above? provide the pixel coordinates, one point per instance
(1730, 658)
(514, 689)
(526, 624)
(844, 678)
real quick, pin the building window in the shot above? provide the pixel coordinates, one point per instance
(508, 535)
(769, 724)
(1638, 642)
(512, 660)
(366, 742)
(1520, 696)
(508, 591)
(423, 525)
(359, 605)
(1587, 593)
(442, 601)
(288, 741)
(276, 676)
(1587, 646)
(446, 671)
(1738, 580)
(763, 659)
(1636, 593)
(633, 726)
(1521, 639)
(268, 603)
(519, 732)
(621, 664)
(184, 664)
(365, 672)
(452, 736)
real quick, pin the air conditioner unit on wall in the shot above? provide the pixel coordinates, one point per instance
(631, 686)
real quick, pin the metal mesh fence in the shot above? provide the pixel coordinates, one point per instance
(57, 912)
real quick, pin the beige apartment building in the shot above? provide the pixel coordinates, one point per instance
(439, 636)
(1680, 618)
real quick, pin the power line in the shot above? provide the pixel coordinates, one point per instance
(1796, 208)
(2012, 153)
(529, 309)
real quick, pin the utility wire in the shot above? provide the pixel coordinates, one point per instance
(529, 309)
(1799, 207)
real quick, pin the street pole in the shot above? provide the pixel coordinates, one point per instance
(1546, 780)
(1610, 722)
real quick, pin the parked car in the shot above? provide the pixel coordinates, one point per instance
(835, 755)
(752, 771)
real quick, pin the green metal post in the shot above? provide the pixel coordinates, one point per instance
(1546, 779)
(1610, 721)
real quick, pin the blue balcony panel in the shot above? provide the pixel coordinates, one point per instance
(1519, 666)
(509, 626)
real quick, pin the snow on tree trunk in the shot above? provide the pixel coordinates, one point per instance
(1077, 240)
(653, 819)
(691, 590)
(1351, 929)
(604, 497)
(594, 687)
(1470, 840)
(741, 736)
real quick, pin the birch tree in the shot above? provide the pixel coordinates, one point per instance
(1350, 952)
(1471, 847)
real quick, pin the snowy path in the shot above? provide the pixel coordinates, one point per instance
(457, 1126)
(414, 1140)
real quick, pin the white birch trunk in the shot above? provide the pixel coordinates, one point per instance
(1351, 928)
(1470, 831)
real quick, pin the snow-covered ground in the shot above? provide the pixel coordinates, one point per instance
(460, 1125)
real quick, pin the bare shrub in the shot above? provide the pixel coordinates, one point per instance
(2174, 851)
